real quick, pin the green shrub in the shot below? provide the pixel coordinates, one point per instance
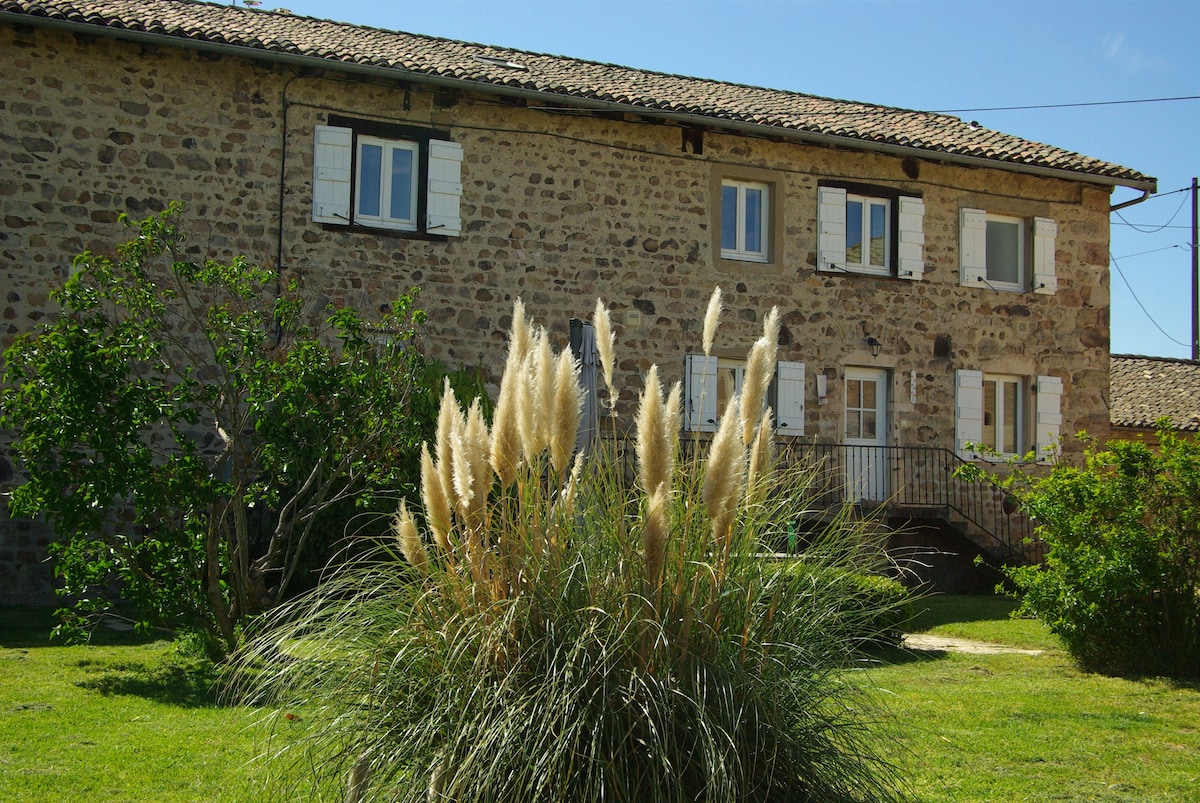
(554, 633)
(200, 449)
(874, 607)
(1121, 579)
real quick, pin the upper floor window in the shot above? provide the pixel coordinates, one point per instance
(867, 234)
(385, 176)
(863, 229)
(997, 251)
(386, 190)
(745, 216)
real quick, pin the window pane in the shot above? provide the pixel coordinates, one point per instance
(868, 425)
(853, 393)
(853, 424)
(402, 183)
(729, 218)
(370, 167)
(1010, 417)
(1003, 251)
(878, 234)
(854, 232)
(754, 219)
(868, 392)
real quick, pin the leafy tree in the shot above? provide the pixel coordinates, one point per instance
(1121, 579)
(199, 448)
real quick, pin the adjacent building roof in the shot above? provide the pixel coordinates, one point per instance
(559, 80)
(1145, 389)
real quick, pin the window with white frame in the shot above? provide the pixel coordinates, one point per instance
(873, 230)
(385, 176)
(997, 251)
(385, 190)
(1004, 414)
(867, 234)
(745, 220)
(993, 411)
(711, 382)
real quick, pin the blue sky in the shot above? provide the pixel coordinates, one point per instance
(936, 55)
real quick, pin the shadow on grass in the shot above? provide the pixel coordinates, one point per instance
(897, 656)
(937, 610)
(168, 679)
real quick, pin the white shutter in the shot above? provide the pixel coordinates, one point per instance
(831, 229)
(972, 246)
(910, 263)
(700, 378)
(789, 398)
(1045, 235)
(1048, 417)
(968, 410)
(445, 188)
(333, 149)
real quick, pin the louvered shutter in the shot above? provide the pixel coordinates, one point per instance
(700, 378)
(968, 410)
(910, 251)
(333, 149)
(972, 246)
(445, 188)
(1045, 236)
(789, 401)
(1048, 416)
(831, 229)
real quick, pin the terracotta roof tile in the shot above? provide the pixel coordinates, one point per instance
(284, 33)
(1145, 389)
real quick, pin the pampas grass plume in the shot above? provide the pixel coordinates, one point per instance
(604, 346)
(567, 410)
(723, 474)
(711, 318)
(504, 452)
(759, 368)
(762, 455)
(436, 501)
(655, 529)
(653, 452)
(449, 420)
(405, 527)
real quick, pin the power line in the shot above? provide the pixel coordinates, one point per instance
(1066, 105)
(1150, 317)
(1153, 251)
(1182, 201)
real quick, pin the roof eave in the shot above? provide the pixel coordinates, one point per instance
(686, 118)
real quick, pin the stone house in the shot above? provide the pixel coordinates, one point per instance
(940, 283)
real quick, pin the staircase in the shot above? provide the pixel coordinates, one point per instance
(920, 483)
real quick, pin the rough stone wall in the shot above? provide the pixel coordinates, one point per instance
(557, 209)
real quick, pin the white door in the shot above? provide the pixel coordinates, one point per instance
(865, 432)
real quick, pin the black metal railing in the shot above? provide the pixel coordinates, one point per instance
(917, 480)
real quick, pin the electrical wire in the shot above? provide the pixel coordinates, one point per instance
(1067, 105)
(1154, 251)
(1151, 231)
(1150, 317)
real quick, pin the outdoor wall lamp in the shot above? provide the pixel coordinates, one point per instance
(875, 346)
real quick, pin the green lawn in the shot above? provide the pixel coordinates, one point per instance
(121, 721)
(1017, 727)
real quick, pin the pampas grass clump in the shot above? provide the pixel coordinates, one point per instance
(545, 630)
